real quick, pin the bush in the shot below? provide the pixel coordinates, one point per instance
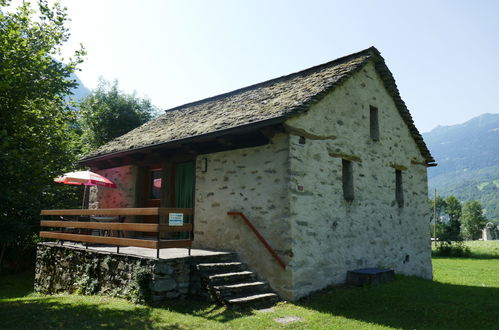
(140, 291)
(454, 249)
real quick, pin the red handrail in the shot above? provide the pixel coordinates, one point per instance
(260, 237)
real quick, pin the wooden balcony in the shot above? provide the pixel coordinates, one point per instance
(87, 222)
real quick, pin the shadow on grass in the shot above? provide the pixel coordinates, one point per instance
(21, 308)
(413, 303)
(16, 285)
(51, 311)
(206, 310)
(46, 312)
(474, 255)
(405, 303)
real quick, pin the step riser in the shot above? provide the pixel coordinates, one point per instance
(232, 279)
(222, 258)
(238, 292)
(212, 270)
(257, 303)
(217, 290)
(230, 257)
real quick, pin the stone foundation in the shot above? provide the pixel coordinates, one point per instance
(70, 269)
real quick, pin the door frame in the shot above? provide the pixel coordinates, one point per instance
(167, 193)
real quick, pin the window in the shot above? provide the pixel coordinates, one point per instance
(373, 123)
(399, 190)
(347, 177)
(155, 184)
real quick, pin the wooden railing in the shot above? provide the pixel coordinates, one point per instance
(82, 231)
(260, 237)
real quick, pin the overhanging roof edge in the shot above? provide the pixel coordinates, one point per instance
(241, 128)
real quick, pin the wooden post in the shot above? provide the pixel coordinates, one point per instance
(435, 217)
(191, 233)
(117, 246)
(158, 237)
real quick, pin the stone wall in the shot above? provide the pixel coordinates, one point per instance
(122, 196)
(71, 269)
(331, 235)
(253, 181)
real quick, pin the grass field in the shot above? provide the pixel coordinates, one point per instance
(484, 249)
(463, 295)
(480, 249)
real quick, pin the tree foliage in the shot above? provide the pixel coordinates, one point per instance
(439, 204)
(107, 113)
(448, 212)
(472, 220)
(34, 116)
(453, 209)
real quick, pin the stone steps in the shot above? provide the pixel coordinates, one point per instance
(258, 300)
(240, 289)
(232, 278)
(231, 284)
(216, 268)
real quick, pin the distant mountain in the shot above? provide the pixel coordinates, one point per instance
(468, 161)
(80, 91)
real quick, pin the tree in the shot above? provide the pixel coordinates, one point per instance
(107, 113)
(34, 117)
(437, 208)
(472, 220)
(448, 212)
(453, 210)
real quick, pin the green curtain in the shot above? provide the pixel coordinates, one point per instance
(184, 192)
(184, 185)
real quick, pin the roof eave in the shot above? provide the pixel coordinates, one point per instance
(237, 129)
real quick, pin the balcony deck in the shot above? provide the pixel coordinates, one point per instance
(106, 221)
(172, 253)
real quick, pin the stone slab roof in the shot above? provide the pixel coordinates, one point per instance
(272, 101)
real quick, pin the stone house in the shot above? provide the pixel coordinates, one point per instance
(325, 162)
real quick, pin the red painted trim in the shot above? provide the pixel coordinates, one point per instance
(260, 237)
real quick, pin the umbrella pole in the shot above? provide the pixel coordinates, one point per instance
(84, 196)
(83, 206)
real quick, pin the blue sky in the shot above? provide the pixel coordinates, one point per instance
(443, 54)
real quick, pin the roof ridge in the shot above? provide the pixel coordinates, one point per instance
(368, 51)
(288, 95)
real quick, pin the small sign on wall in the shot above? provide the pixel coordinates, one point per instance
(175, 219)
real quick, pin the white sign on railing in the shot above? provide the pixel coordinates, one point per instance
(175, 219)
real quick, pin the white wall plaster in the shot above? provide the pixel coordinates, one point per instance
(332, 236)
(253, 181)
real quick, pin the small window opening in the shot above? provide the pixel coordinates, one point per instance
(373, 123)
(155, 184)
(399, 190)
(347, 176)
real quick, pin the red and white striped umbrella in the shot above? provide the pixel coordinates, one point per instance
(85, 178)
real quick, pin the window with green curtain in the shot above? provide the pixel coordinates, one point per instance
(184, 191)
(184, 185)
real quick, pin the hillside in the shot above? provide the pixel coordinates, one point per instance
(468, 161)
(80, 91)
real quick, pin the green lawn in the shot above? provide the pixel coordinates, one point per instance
(484, 249)
(477, 249)
(463, 295)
